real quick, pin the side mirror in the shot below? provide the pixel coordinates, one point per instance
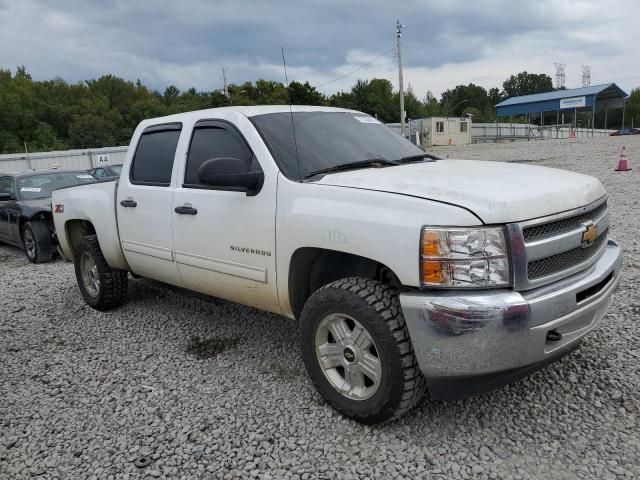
(230, 172)
(4, 197)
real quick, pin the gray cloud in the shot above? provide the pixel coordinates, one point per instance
(187, 43)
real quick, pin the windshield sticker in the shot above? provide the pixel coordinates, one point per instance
(84, 175)
(31, 189)
(366, 119)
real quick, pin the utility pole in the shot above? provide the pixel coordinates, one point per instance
(400, 81)
(224, 80)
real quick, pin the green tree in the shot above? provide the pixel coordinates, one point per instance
(462, 97)
(44, 139)
(632, 109)
(305, 94)
(89, 131)
(525, 83)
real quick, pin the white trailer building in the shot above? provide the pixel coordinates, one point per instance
(431, 131)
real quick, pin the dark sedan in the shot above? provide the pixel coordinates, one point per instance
(625, 131)
(106, 171)
(25, 209)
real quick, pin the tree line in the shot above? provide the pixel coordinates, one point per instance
(56, 115)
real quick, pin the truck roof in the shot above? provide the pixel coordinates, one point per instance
(251, 111)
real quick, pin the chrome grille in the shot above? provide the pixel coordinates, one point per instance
(565, 260)
(548, 249)
(547, 230)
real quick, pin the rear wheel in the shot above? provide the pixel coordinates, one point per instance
(357, 350)
(36, 240)
(101, 286)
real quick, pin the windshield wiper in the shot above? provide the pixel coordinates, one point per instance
(371, 162)
(415, 158)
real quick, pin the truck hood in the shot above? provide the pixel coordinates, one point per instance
(497, 192)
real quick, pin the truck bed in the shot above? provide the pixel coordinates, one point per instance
(90, 206)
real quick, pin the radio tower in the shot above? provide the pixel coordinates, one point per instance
(586, 75)
(560, 75)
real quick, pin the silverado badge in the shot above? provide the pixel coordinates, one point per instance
(589, 235)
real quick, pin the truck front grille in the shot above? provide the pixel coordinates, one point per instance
(565, 260)
(551, 229)
(551, 248)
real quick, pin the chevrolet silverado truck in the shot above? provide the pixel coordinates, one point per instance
(404, 272)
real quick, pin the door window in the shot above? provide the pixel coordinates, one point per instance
(214, 140)
(153, 160)
(7, 185)
(98, 173)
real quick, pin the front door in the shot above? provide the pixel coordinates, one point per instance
(144, 205)
(224, 240)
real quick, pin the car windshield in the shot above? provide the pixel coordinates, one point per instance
(32, 187)
(328, 139)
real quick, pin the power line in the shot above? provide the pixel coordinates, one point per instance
(357, 69)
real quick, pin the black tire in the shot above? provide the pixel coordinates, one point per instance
(112, 289)
(377, 308)
(36, 241)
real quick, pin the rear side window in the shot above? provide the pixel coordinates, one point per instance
(153, 160)
(7, 186)
(214, 140)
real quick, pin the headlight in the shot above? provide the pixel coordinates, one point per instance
(464, 257)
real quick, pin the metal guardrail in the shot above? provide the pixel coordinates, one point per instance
(504, 132)
(69, 159)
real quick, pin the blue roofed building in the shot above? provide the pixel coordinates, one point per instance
(595, 98)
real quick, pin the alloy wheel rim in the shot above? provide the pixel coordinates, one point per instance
(89, 272)
(348, 356)
(29, 243)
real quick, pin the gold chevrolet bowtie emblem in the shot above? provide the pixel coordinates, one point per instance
(589, 235)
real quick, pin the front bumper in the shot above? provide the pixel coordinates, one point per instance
(464, 337)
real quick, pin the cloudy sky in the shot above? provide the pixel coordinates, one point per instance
(445, 43)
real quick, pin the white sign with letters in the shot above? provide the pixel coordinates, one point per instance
(573, 102)
(103, 158)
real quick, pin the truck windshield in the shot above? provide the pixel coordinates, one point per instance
(32, 187)
(329, 139)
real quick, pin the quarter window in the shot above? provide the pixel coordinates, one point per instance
(153, 160)
(214, 140)
(7, 185)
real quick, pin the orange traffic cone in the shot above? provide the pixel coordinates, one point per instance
(623, 166)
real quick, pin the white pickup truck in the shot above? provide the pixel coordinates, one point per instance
(403, 271)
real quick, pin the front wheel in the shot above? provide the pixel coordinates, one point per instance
(357, 350)
(101, 286)
(37, 242)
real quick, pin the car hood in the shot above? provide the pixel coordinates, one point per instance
(497, 192)
(39, 204)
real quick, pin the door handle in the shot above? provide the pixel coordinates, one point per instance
(186, 210)
(129, 203)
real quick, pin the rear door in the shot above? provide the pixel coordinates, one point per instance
(144, 204)
(224, 239)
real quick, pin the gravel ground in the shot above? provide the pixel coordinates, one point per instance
(201, 388)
